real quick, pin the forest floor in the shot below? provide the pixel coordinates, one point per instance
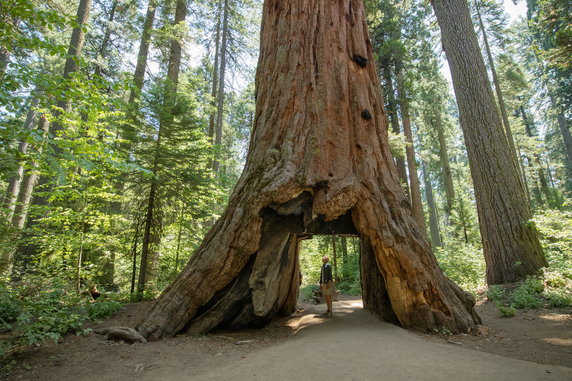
(353, 345)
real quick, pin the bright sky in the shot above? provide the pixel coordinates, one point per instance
(515, 11)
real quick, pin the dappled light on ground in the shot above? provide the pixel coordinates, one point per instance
(309, 315)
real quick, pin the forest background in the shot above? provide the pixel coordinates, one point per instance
(124, 125)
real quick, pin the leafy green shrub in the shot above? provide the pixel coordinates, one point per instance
(507, 311)
(555, 280)
(463, 263)
(307, 292)
(533, 285)
(43, 308)
(349, 287)
(559, 300)
(102, 309)
(9, 306)
(523, 299)
(495, 293)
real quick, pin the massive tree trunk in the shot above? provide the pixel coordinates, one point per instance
(498, 91)
(510, 240)
(319, 163)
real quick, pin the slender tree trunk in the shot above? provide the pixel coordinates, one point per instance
(179, 236)
(510, 240)
(71, 65)
(567, 138)
(214, 88)
(134, 255)
(72, 60)
(106, 39)
(4, 59)
(25, 251)
(141, 65)
(414, 186)
(221, 94)
(15, 181)
(28, 183)
(345, 259)
(335, 255)
(528, 124)
(319, 163)
(462, 213)
(173, 69)
(433, 220)
(394, 120)
(445, 164)
(4, 52)
(139, 73)
(20, 215)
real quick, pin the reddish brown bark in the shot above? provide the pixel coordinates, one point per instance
(510, 240)
(319, 162)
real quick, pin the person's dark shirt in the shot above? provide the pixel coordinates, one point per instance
(326, 273)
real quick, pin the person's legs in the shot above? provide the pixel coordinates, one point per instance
(329, 303)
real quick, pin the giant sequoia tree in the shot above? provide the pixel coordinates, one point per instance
(510, 241)
(319, 163)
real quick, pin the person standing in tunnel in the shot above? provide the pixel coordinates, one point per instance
(327, 285)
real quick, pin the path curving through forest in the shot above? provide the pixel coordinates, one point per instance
(355, 345)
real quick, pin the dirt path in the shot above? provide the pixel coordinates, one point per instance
(353, 345)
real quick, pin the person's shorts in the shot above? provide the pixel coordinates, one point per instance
(328, 291)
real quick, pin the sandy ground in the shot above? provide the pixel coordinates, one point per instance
(353, 345)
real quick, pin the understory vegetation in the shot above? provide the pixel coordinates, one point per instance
(45, 307)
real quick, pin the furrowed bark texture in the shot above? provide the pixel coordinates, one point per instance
(319, 163)
(510, 241)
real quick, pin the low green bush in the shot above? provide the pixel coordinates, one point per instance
(102, 309)
(463, 263)
(41, 308)
(522, 298)
(507, 311)
(307, 292)
(495, 293)
(558, 300)
(349, 287)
